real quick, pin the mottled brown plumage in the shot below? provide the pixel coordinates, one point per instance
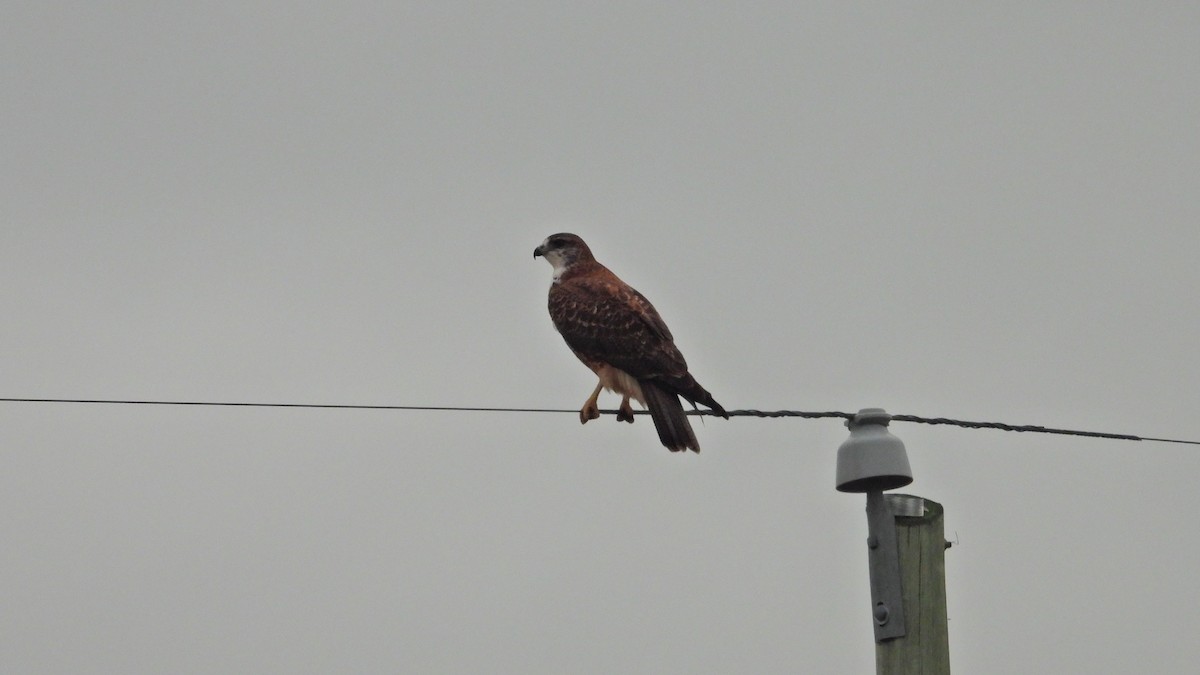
(617, 333)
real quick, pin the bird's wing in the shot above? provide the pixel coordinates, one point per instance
(605, 320)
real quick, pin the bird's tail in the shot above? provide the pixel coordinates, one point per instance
(672, 425)
(687, 387)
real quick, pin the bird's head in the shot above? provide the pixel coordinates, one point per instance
(563, 250)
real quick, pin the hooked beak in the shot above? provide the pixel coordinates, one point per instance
(538, 251)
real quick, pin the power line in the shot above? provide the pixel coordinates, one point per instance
(732, 413)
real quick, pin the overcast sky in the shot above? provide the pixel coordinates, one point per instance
(982, 212)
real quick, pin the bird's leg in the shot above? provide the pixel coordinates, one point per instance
(625, 413)
(591, 409)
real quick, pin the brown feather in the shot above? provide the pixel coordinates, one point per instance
(672, 425)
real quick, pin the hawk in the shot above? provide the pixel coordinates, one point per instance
(617, 333)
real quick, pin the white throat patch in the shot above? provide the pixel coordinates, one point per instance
(557, 261)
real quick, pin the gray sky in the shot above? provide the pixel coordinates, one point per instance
(949, 210)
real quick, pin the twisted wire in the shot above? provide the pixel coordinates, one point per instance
(1029, 428)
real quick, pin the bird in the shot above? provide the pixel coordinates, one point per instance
(616, 332)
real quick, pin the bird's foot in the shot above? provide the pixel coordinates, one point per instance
(589, 411)
(625, 412)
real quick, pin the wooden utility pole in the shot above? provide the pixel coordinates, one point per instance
(924, 649)
(906, 548)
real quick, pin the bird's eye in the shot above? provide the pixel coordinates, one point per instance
(557, 241)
